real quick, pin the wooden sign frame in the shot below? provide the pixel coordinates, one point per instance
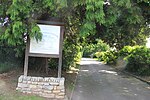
(28, 54)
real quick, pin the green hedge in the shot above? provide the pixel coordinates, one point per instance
(109, 57)
(126, 50)
(137, 57)
(91, 49)
(139, 60)
(71, 55)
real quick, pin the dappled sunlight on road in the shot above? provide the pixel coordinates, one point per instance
(89, 61)
(148, 88)
(84, 70)
(108, 72)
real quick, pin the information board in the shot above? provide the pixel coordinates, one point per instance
(50, 40)
(50, 46)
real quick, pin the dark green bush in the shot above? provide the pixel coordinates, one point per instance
(91, 49)
(8, 58)
(139, 60)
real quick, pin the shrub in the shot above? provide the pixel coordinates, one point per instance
(71, 55)
(91, 49)
(139, 60)
(88, 50)
(100, 55)
(109, 57)
(125, 51)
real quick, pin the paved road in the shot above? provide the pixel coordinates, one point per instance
(97, 81)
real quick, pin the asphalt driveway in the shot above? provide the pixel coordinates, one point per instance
(97, 81)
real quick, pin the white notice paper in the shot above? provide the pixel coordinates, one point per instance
(50, 40)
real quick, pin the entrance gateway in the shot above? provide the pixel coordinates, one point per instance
(49, 47)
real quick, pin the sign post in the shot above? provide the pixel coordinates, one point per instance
(60, 53)
(49, 47)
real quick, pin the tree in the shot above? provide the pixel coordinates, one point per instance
(22, 16)
(130, 26)
(114, 21)
(117, 22)
(123, 22)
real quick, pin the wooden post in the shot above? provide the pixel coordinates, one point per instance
(26, 58)
(46, 65)
(60, 51)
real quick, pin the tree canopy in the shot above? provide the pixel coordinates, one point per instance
(117, 22)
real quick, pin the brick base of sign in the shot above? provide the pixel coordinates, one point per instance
(48, 87)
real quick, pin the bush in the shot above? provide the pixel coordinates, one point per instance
(139, 60)
(125, 51)
(100, 55)
(71, 53)
(109, 57)
(91, 49)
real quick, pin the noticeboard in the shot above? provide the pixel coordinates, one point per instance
(50, 46)
(50, 40)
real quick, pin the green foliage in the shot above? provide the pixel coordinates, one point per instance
(127, 50)
(91, 49)
(71, 54)
(71, 45)
(109, 57)
(100, 55)
(72, 49)
(94, 14)
(123, 22)
(139, 61)
(114, 23)
(22, 16)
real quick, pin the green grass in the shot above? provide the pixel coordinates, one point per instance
(19, 97)
(30, 98)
